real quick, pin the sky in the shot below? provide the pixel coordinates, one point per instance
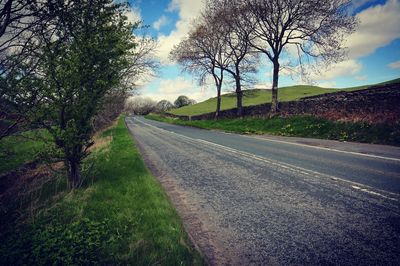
(373, 51)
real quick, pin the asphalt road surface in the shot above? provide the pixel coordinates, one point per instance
(261, 200)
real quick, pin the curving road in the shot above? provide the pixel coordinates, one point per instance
(265, 200)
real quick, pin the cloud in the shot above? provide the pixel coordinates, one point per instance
(188, 10)
(161, 22)
(173, 86)
(174, 5)
(170, 89)
(379, 26)
(327, 84)
(342, 69)
(263, 86)
(133, 15)
(361, 78)
(394, 65)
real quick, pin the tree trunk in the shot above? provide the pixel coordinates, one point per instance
(218, 84)
(74, 174)
(239, 96)
(218, 101)
(274, 103)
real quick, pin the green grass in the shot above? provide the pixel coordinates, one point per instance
(255, 97)
(299, 126)
(121, 217)
(16, 150)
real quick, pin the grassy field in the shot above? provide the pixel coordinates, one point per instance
(254, 97)
(121, 216)
(299, 126)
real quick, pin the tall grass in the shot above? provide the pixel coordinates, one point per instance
(300, 126)
(120, 217)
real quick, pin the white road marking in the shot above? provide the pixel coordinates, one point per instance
(366, 190)
(300, 169)
(328, 149)
(354, 185)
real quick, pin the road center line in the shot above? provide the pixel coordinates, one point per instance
(354, 185)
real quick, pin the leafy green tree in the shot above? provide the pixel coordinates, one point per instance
(84, 54)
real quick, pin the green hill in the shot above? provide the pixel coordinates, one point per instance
(257, 96)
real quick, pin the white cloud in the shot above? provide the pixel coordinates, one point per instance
(133, 15)
(394, 65)
(327, 84)
(342, 69)
(379, 26)
(174, 5)
(170, 89)
(263, 86)
(361, 78)
(188, 10)
(173, 86)
(161, 22)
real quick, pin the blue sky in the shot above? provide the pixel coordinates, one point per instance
(373, 50)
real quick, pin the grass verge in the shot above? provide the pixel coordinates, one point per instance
(122, 216)
(299, 126)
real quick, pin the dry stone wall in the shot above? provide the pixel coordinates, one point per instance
(376, 104)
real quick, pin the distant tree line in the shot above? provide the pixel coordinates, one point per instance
(143, 105)
(229, 37)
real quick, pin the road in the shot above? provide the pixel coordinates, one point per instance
(265, 200)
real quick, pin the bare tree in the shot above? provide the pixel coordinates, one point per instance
(17, 16)
(140, 106)
(164, 105)
(143, 59)
(243, 59)
(182, 101)
(110, 108)
(202, 53)
(20, 21)
(316, 28)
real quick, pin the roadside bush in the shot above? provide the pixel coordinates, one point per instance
(82, 242)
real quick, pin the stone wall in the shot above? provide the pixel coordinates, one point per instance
(377, 104)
